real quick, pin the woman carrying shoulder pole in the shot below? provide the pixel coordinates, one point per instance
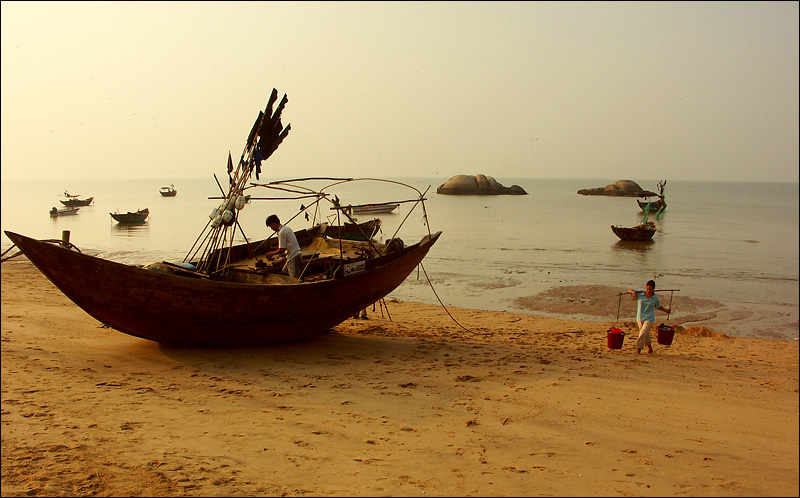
(646, 314)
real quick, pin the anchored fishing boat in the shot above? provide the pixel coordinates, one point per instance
(65, 211)
(647, 203)
(377, 208)
(131, 217)
(639, 233)
(75, 200)
(657, 205)
(168, 191)
(232, 294)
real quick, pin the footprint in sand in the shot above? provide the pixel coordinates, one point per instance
(130, 425)
(514, 469)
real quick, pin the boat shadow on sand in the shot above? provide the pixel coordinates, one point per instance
(326, 348)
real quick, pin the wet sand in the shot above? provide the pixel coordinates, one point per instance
(416, 404)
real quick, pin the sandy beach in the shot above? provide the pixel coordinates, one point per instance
(408, 402)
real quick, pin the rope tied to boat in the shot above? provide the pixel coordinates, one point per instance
(62, 242)
(440, 301)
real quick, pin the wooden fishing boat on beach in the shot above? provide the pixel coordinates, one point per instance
(244, 304)
(131, 217)
(231, 294)
(75, 200)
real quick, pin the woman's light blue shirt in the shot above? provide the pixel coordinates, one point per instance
(647, 306)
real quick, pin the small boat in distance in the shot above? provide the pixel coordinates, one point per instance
(168, 191)
(655, 205)
(659, 205)
(65, 211)
(131, 217)
(639, 233)
(75, 200)
(382, 208)
(354, 231)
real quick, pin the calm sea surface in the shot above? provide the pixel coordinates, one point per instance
(736, 243)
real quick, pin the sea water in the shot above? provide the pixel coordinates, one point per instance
(735, 243)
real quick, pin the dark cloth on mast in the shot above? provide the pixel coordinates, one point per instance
(258, 158)
(255, 166)
(251, 139)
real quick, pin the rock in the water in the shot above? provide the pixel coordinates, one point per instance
(624, 188)
(477, 185)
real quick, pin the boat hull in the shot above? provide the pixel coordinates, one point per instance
(131, 217)
(374, 208)
(654, 205)
(177, 309)
(351, 231)
(634, 234)
(68, 211)
(77, 202)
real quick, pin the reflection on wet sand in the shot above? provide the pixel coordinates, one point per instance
(634, 246)
(130, 229)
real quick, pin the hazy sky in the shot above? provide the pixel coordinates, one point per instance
(628, 90)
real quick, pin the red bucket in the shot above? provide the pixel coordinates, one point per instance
(665, 334)
(615, 337)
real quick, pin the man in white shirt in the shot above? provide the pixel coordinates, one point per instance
(287, 243)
